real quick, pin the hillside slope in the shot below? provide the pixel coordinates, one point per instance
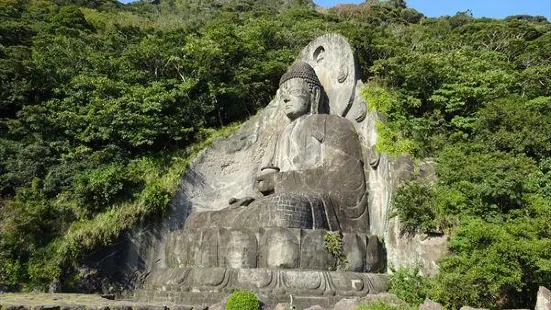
(103, 105)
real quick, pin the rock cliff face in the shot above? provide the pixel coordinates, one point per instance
(228, 169)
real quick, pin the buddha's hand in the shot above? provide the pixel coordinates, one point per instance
(241, 202)
(265, 181)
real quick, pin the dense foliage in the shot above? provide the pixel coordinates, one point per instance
(380, 305)
(410, 286)
(102, 105)
(474, 95)
(243, 300)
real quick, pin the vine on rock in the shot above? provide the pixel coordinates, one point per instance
(334, 245)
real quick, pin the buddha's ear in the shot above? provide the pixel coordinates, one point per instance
(316, 99)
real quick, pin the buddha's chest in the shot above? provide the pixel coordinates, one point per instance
(300, 147)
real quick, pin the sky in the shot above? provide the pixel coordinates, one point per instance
(480, 8)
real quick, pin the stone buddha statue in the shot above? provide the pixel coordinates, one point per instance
(311, 181)
(301, 222)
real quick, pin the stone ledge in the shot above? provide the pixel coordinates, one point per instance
(188, 301)
(42, 301)
(166, 282)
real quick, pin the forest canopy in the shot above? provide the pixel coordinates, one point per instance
(102, 106)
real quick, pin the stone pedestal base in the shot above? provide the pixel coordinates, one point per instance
(272, 248)
(172, 283)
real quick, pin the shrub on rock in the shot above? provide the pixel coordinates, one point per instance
(243, 300)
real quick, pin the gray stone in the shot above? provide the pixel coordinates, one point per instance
(313, 252)
(403, 169)
(283, 306)
(543, 301)
(312, 179)
(218, 306)
(18, 307)
(427, 170)
(279, 249)
(54, 287)
(333, 60)
(405, 250)
(347, 304)
(471, 308)
(73, 307)
(238, 248)
(315, 307)
(408, 249)
(266, 281)
(373, 256)
(430, 305)
(47, 307)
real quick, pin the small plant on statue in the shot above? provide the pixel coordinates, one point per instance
(333, 244)
(243, 300)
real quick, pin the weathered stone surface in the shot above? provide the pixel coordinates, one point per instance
(218, 306)
(61, 301)
(427, 170)
(308, 186)
(315, 307)
(430, 305)
(313, 178)
(14, 307)
(265, 281)
(347, 304)
(47, 307)
(408, 249)
(333, 60)
(403, 170)
(417, 249)
(313, 252)
(543, 301)
(471, 308)
(279, 249)
(282, 306)
(373, 260)
(283, 247)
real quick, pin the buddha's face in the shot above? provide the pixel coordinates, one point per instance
(296, 98)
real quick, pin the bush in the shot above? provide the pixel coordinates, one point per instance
(333, 244)
(498, 265)
(410, 286)
(415, 205)
(411, 16)
(99, 188)
(243, 300)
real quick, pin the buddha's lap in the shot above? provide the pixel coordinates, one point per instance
(289, 210)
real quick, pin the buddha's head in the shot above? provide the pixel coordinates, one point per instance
(300, 91)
